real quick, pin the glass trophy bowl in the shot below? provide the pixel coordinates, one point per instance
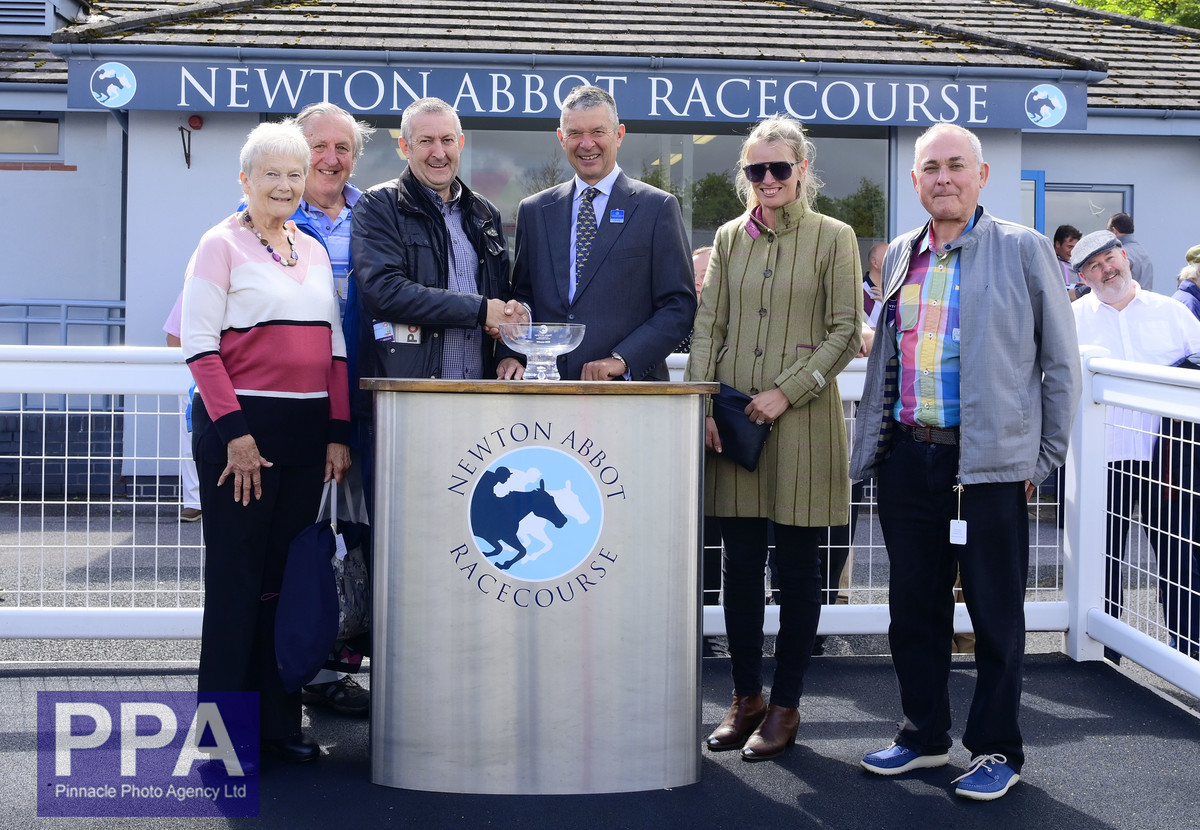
(542, 343)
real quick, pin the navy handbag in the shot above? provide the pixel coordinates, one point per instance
(306, 618)
(742, 440)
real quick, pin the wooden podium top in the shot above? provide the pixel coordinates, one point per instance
(538, 387)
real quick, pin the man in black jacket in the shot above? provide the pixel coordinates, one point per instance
(430, 262)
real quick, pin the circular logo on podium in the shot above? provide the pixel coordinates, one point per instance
(536, 513)
(113, 84)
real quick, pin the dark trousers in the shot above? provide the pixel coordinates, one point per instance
(1176, 519)
(1128, 489)
(916, 504)
(1179, 570)
(245, 550)
(743, 568)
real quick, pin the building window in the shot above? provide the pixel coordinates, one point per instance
(1033, 199)
(1086, 206)
(505, 166)
(29, 137)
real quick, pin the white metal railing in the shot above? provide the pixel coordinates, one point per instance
(1112, 391)
(90, 541)
(111, 559)
(115, 562)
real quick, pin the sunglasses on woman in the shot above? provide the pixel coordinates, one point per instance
(781, 170)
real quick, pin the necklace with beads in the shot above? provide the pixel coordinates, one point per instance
(291, 260)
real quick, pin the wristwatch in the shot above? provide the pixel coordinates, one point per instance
(624, 362)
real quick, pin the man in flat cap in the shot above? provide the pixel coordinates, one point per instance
(1133, 323)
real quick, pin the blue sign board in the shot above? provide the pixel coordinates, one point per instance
(507, 92)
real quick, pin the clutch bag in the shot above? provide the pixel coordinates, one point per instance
(742, 440)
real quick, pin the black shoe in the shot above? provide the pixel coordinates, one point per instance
(297, 749)
(343, 696)
(819, 646)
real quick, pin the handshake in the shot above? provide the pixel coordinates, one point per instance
(499, 311)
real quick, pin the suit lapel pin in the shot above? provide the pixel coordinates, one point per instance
(616, 216)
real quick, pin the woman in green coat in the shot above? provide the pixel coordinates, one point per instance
(780, 315)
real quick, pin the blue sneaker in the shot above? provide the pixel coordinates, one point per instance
(988, 778)
(897, 759)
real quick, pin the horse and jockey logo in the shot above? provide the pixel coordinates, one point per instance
(113, 84)
(536, 513)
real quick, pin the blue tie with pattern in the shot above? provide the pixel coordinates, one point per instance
(585, 234)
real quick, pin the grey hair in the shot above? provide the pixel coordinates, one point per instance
(422, 106)
(780, 129)
(586, 98)
(273, 138)
(360, 130)
(938, 129)
(1191, 271)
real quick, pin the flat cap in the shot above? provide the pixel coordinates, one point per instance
(1193, 255)
(1096, 242)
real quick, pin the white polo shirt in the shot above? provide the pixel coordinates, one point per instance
(1152, 329)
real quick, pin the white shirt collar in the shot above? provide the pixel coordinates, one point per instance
(605, 185)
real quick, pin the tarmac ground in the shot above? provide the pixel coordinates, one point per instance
(1103, 751)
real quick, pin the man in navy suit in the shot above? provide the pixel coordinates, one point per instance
(630, 282)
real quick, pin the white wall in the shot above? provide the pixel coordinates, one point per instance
(171, 206)
(63, 233)
(1001, 196)
(1163, 171)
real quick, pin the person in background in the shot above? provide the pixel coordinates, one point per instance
(710, 566)
(871, 290)
(189, 485)
(271, 421)
(336, 142)
(1188, 291)
(969, 299)
(1065, 238)
(1120, 225)
(700, 260)
(781, 274)
(1132, 323)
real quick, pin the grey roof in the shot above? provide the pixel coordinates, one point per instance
(1150, 65)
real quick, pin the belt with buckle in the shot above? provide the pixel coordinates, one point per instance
(930, 435)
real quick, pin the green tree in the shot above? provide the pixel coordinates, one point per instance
(1177, 12)
(864, 209)
(657, 176)
(714, 201)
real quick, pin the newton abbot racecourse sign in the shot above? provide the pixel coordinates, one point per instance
(822, 97)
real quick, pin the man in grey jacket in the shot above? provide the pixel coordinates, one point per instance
(970, 393)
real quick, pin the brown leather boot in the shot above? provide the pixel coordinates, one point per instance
(774, 736)
(743, 717)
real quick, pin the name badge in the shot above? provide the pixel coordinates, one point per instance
(383, 331)
(387, 333)
(616, 216)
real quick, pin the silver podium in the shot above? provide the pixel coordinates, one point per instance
(536, 579)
